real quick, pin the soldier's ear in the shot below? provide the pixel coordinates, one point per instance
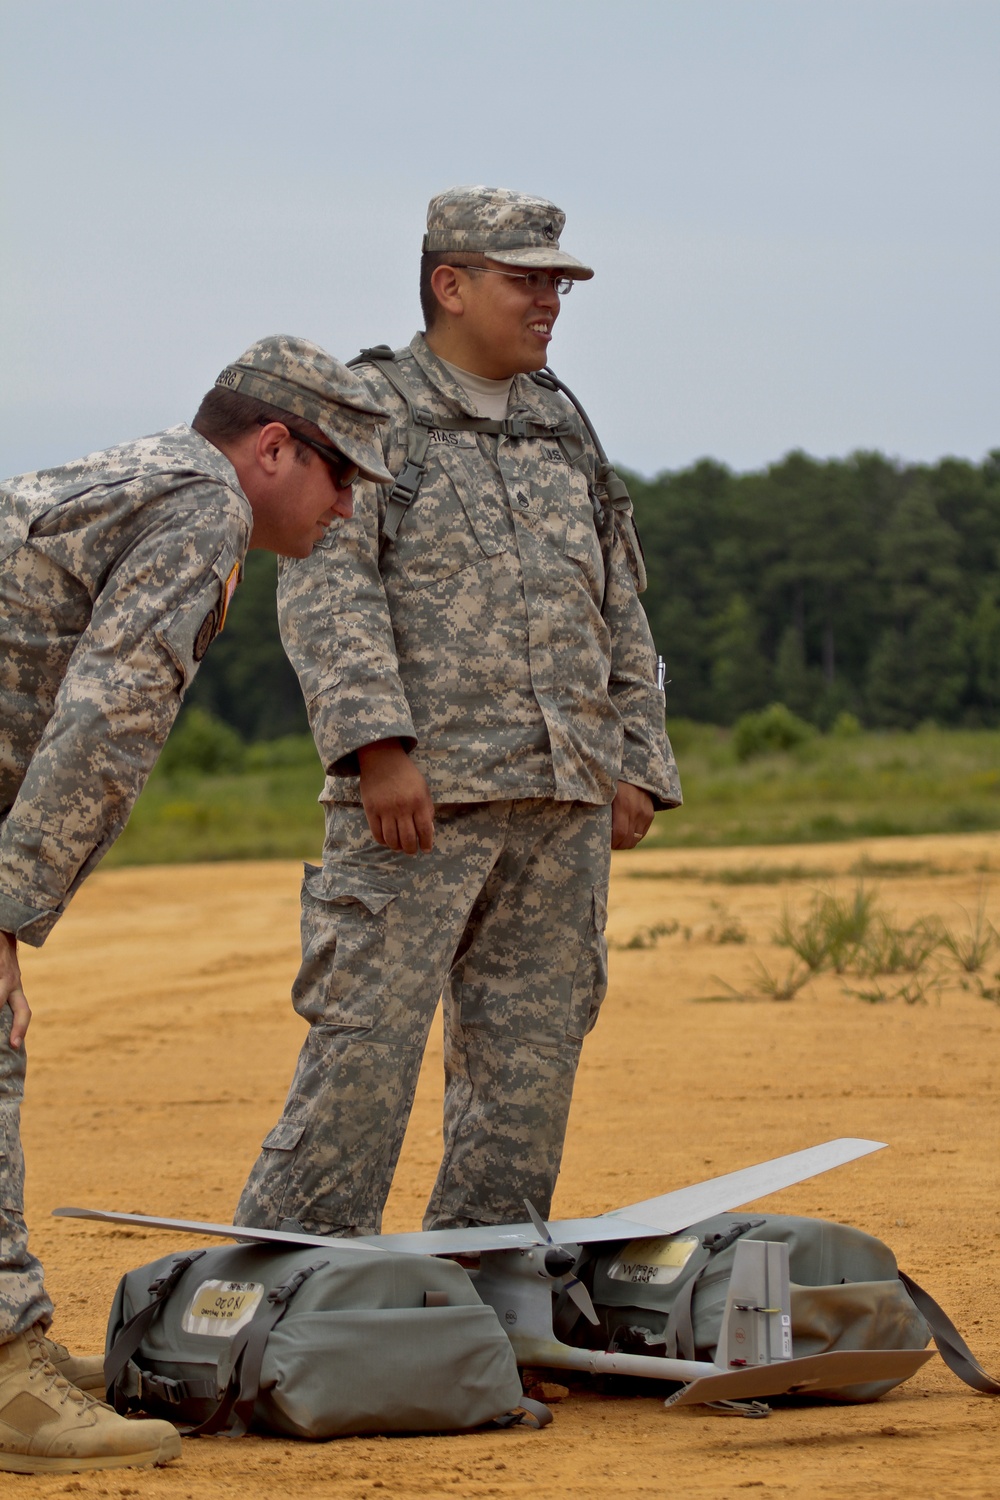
(449, 286)
(270, 441)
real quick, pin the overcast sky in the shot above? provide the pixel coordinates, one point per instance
(791, 205)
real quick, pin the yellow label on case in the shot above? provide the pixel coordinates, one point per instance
(654, 1261)
(222, 1308)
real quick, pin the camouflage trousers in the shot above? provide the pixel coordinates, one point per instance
(22, 1293)
(504, 921)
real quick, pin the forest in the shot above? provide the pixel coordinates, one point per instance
(861, 586)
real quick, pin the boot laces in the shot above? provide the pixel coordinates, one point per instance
(55, 1384)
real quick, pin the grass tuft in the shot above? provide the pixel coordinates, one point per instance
(972, 948)
(780, 987)
(647, 937)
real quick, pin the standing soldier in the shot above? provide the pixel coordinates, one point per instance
(482, 687)
(115, 576)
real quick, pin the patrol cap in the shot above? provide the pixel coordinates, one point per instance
(512, 228)
(302, 379)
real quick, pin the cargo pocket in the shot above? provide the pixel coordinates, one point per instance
(285, 1136)
(11, 1163)
(590, 982)
(450, 528)
(333, 1373)
(344, 921)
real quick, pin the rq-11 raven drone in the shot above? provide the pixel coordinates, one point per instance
(520, 1266)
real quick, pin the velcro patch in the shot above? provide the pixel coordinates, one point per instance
(230, 378)
(440, 435)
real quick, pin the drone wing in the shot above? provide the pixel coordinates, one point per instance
(653, 1216)
(673, 1211)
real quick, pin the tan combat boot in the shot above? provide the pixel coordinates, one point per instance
(48, 1426)
(85, 1371)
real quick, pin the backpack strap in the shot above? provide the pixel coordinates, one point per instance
(618, 497)
(951, 1346)
(420, 424)
(679, 1332)
(527, 1413)
(234, 1414)
(132, 1333)
(418, 436)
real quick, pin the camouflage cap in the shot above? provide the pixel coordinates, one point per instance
(302, 379)
(512, 228)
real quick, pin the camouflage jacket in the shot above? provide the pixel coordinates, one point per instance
(115, 573)
(486, 636)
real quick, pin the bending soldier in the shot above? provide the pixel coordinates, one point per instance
(115, 576)
(480, 681)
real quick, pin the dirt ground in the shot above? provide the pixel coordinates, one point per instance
(163, 1043)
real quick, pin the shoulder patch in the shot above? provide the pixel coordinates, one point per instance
(206, 634)
(228, 590)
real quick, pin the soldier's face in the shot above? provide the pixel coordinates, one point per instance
(314, 501)
(508, 327)
(294, 499)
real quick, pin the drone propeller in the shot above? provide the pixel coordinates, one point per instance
(559, 1263)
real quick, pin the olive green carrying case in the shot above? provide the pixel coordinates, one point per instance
(312, 1344)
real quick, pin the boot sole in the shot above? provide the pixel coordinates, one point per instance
(29, 1463)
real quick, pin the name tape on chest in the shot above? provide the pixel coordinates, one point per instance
(439, 437)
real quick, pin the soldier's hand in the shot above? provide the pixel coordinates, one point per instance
(631, 815)
(11, 992)
(396, 798)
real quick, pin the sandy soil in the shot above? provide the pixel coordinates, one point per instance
(162, 1047)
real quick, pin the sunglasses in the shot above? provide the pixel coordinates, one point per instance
(343, 469)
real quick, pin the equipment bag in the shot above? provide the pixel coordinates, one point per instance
(667, 1296)
(310, 1343)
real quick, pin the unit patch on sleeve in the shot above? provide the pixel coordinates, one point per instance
(207, 632)
(229, 589)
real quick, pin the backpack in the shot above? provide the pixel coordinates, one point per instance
(667, 1296)
(310, 1343)
(609, 497)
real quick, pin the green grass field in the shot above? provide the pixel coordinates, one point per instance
(829, 788)
(832, 787)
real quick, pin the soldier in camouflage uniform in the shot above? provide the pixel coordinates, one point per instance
(482, 689)
(115, 576)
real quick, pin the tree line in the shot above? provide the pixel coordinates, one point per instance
(858, 585)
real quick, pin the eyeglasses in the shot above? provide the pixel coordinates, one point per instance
(344, 471)
(535, 281)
